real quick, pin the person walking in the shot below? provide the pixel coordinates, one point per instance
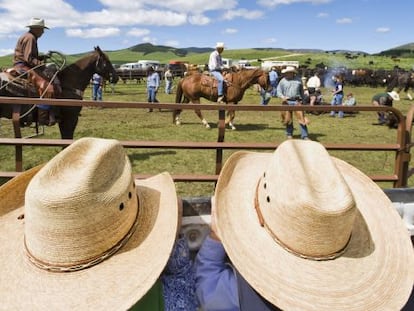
(215, 66)
(290, 90)
(153, 83)
(273, 79)
(168, 77)
(97, 85)
(337, 96)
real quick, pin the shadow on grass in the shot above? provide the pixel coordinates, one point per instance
(146, 155)
(250, 127)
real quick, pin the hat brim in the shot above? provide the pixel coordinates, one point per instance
(376, 270)
(37, 26)
(116, 283)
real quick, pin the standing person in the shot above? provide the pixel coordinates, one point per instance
(97, 85)
(273, 79)
(26, 59)
(168, 77)
(337, 96)
(278, 241)
(215, 66)
(100, 241)
(384, 99)
(153, 83)
(290, 90)
(313, 85)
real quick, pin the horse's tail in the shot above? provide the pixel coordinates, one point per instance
(179, 92)
(178, 98)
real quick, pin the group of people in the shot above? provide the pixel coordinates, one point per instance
(102, 240)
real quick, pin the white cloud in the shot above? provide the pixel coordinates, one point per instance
(138, 32)
(149, 39)
(243, 13)
(230, 30)
(92, 32)
(173, 43)
(322, 15)
(274, 3)
(345, 20)
(199, 20)
(270, 40)
(4, 52)
(383, 29)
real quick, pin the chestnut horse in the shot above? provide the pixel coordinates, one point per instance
(74, 79)
(197, 85)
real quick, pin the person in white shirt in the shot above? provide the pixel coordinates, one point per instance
(215, 66)
(313, 85)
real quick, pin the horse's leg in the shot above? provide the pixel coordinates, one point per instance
(230, 118)
(200, 115)
(68, 120)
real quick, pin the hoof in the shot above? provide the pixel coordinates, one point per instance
(177, 121)
(232, 127)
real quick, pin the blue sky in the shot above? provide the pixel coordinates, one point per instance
(76, 26)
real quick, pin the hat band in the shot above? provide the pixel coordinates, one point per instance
(87, 263)
(283, 245)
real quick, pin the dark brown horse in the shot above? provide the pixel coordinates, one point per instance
(74, 79)
(197, 85)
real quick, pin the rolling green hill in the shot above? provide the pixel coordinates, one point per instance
(309, 57)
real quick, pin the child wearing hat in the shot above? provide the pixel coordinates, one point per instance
(302, 236)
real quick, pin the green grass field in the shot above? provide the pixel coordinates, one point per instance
(138, 124)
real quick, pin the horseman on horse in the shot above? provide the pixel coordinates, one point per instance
(28, 63)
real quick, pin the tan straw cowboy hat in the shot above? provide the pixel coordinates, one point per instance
(289, 69)
(37, 23)
(310, 232)
(80, 234)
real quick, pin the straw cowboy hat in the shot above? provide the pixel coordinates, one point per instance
(289, 69)
(37, 23)
(394, 95)
(220, 45)
(80, 234)
(310, 232)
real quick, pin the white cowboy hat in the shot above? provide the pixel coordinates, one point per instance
(289, 69)
(220, 45)
(394, 95)
(80, 234)
(310, 232)
(37, 23)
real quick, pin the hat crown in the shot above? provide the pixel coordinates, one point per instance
(289, 69)
(37, 23)
(81, 204)
(220, 45)
(308, 207)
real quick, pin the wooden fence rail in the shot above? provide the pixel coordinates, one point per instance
(401, 147)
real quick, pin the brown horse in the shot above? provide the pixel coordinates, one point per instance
(74, 79)
(197, 85)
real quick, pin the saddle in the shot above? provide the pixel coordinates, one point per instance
(210, 81)
(31, 83)
(16, 84)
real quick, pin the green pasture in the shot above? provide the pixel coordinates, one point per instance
(138, 124)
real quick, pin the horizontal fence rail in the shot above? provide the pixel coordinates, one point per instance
(401, 147)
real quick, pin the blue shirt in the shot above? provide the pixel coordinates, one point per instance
(273, 76)
(153, 80)
(96, 79)
(216, 283)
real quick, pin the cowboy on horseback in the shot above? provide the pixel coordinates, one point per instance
(215, 66)
(27, 60)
